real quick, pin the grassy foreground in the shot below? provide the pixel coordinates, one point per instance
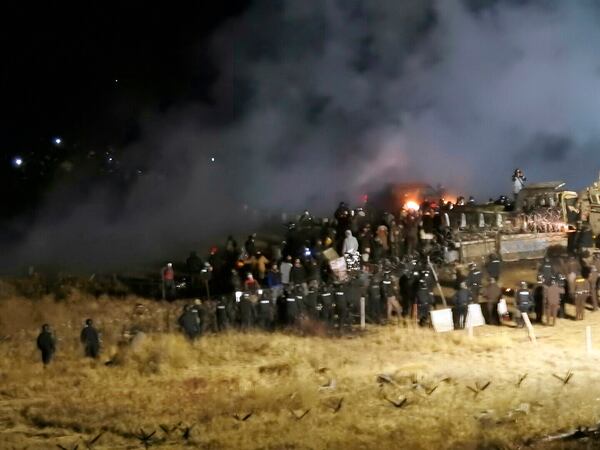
(165, 384)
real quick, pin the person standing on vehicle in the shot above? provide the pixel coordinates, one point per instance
(518, 180)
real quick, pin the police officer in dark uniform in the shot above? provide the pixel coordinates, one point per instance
(425, 301)
(46, 344)
(407, 288)
(246, 310)
(561, 281)
(326, 304)
(389, 294)
(189, 322)
(222, 313)
(427, 276)
(206, 277)
(299, 295)
(375, 307)
(539, 293)
(494, 266)
(281, 309)
(90, 339)
(291, 310)
(353, 294)
(523, 299)
(461, 300)
(201, 311)
(310, 303)
(341, 305)
(265, 312)
(474, 281)
(546, 271)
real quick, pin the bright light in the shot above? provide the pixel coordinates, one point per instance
(411, 205)
(212, 159)
(18, 161)
(57, 141)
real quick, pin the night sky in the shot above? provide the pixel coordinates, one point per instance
(85, 75)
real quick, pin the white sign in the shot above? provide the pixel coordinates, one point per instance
(502, 308)
(442, 320)
(474, 316)
(339, 269)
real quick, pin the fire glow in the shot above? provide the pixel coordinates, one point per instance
(411, 205)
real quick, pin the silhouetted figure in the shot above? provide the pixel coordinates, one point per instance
(46, 344)
(90, 339)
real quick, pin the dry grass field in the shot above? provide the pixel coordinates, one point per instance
(386, 388)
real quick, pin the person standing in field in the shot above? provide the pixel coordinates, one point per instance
(593, 279)
(523, 301)
(90, 339)
(168, 282)
(582, 292)
(461, 300)
(552, 301)
(492, 294)
(46, 344)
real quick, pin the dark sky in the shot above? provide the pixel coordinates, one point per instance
(57, 79)
(221, 116)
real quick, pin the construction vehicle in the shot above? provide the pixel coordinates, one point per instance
(542, 216)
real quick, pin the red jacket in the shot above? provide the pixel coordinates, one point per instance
(168, 274)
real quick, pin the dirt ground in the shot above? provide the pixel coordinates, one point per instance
(388, 387)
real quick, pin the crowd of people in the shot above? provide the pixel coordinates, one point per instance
(388, 276)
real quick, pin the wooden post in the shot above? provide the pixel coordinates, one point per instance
(435, 277)
(470, 332)
(588, 339)
(207, 290)
(532, 337)
(362, 313)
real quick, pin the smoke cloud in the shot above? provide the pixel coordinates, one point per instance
(319, 101)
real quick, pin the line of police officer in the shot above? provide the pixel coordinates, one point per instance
(389, 291)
